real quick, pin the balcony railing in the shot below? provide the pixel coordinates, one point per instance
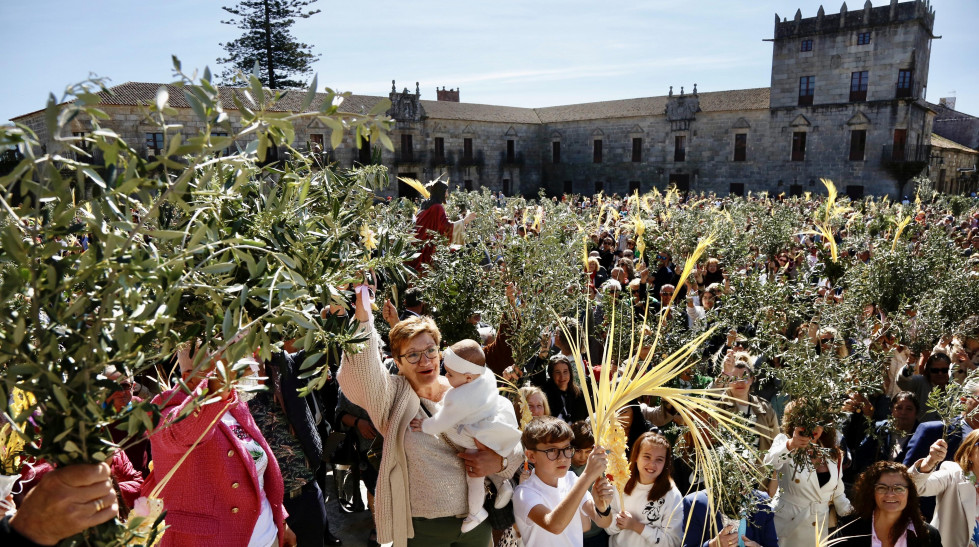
(409, 156)
(910, 153)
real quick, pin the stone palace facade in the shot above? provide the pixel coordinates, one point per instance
(846, 102)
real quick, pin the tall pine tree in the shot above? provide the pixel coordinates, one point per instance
(268, 40)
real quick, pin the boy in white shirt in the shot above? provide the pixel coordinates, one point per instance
(550, 507)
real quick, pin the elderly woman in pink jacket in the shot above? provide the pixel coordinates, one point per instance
(228, 492)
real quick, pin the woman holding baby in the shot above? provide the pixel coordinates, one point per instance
(422, 495)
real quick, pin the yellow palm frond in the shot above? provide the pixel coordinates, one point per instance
(417, 185)
(900, 229)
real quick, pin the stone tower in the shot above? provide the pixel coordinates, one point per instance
(848, 92)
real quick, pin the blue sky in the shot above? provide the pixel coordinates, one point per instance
(506, 52)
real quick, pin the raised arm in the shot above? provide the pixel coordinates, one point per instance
(362, 376)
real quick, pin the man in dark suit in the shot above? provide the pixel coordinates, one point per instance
(704, 521)
(887, 443)
(929, 432)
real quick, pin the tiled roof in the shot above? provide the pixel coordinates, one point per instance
(941, 142)
(716, 101)
(446, 110)
(141, 93)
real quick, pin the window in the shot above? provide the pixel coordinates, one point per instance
(599, 187)
(863, 38)
(506, 187)
(440, 149)
(467, 149)
(741, 147)
(568, 187)
(511, 153)
(858, 144)
(154, 143)
(597, 151)
(85, 145)
(854, 191)
(364, 152)
(858, 86)
(315, 141)
(799, 146)
(407, 148)
(637, 149)
(634, 186)
(680, 148)
(941, 179)
(806, 45)
(903, 84)
(468, 184)
(900, 144)
(737, 188)
(807, 89)
(556, 152)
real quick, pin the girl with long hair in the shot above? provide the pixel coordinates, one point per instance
(564, 396)
(653, 511)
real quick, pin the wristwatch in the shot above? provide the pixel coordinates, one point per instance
(505, 462)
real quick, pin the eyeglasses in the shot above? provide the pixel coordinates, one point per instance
(554, 453)
(667, 293)
(415, 356)
(884, 489)
(939, 371)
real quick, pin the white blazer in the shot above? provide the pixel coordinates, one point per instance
(955, 510)
(801, 504)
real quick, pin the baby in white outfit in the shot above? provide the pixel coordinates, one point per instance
(474, 410)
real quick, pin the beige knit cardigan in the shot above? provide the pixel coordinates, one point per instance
(391, 404)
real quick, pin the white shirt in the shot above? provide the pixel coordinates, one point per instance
(534, 492)
(264, 533)
(662, 519)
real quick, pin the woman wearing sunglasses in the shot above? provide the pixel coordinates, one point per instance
(421, 485)
(737, 377)
(887, 512)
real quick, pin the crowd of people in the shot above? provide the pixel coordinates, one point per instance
(863, 404)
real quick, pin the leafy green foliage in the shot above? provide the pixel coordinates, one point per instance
(190, 246)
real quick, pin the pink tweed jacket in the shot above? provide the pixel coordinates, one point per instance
(213, 498)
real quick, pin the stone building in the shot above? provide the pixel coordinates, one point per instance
(846, 102)
(952, 166)
(954, 125)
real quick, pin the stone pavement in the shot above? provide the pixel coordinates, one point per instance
(352, 528)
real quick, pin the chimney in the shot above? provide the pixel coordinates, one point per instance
(947, 102)
(449, 95)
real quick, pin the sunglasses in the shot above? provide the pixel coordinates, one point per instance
(939, 371)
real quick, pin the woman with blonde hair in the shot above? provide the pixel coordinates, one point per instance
(954, 484)
(536, 402)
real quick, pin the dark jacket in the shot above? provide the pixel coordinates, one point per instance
(857, 533)
(565, 404)
(760, 529)
(866, 449)
(299, 410)
(927, 433)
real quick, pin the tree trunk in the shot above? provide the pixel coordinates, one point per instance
(268, 46)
